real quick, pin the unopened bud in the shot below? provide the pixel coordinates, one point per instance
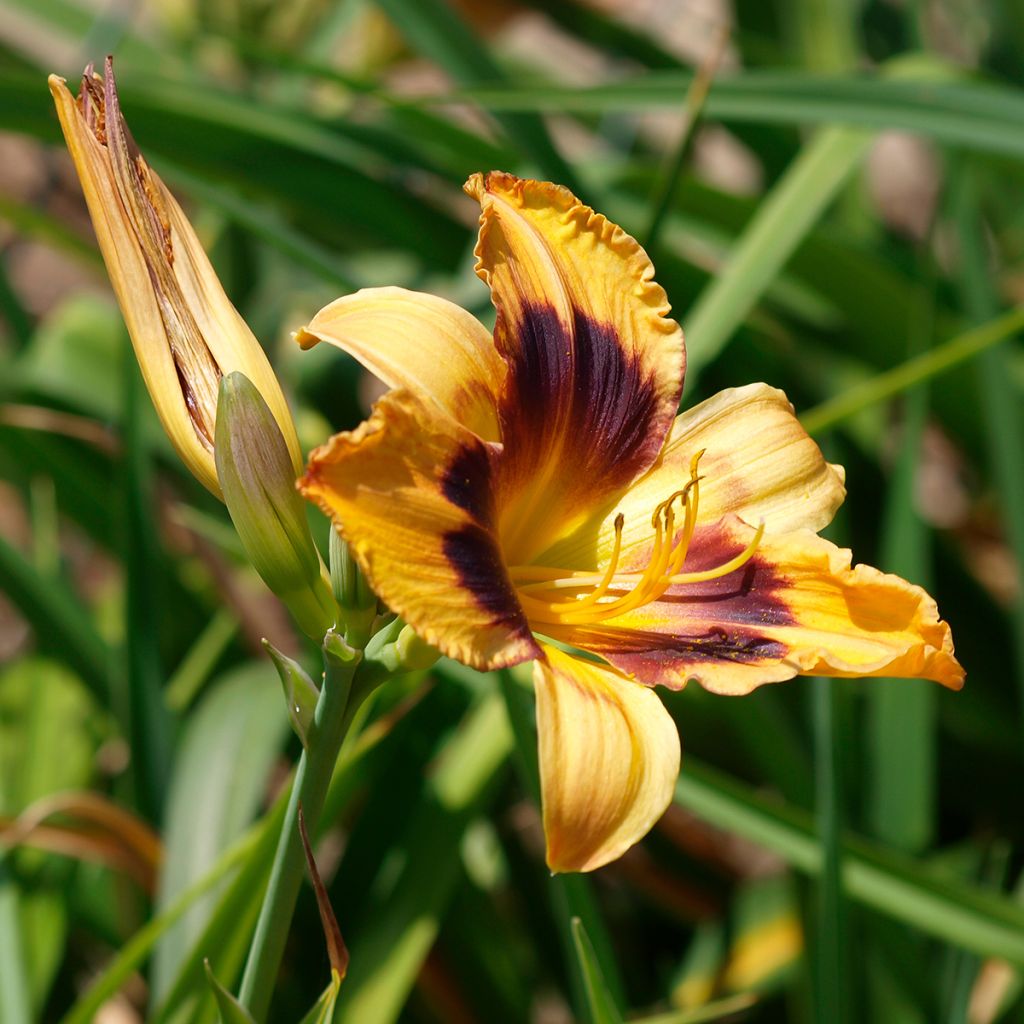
(258, 482)
(413, 651)
(357, 602)
(300, 692)
(186, 333)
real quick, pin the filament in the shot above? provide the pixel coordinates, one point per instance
(598, 596)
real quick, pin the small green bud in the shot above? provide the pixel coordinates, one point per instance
(340, 652)
(358, 603)
(257, 478)
(300, 692)
(413, 651)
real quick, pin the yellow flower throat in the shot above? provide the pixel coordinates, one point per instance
(600, 597)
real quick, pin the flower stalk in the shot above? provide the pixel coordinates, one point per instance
(350, 676)
(356, 600)
(335, 710)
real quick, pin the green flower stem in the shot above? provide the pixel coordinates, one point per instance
(346, 685)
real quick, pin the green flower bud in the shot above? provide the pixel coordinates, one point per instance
(358, 603)
(257, 478)
(413, 651)
(300, 692)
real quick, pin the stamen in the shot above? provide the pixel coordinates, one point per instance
(726, 567)
(663, 570)
(609, 573)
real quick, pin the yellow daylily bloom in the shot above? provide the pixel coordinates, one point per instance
(542, 484)
(185, 331)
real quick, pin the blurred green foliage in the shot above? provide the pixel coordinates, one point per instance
(845, 212)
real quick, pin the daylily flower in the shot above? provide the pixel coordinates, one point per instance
(186, 333)
(540, 485)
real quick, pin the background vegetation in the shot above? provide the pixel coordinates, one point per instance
(842, 217)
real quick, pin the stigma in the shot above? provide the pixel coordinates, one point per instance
(596, 597)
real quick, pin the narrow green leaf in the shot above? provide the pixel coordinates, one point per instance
(134, 953)
(887, 882)
(720, 1009)
(391, 950)
(231, 1010)
(201, 659)
(901, 713)
(322, 1011)
(225, 754)
(693, 107)
(600, 1003)
(571, 894)
(926, 99)
(334, 714)
(15, 1006)
(149, 726)
(940, 359)
(831, 984)
(435, 29)
(61, 625)
(336, 187)
(300, 692)
(265, 224)
(781, 222)
(998, 396)
(231, 924)
(900, 778)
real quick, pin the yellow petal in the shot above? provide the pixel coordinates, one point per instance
(185, 332)
(422, 343)
(609, 758)
(595, 366)
(758, 463)
(797, 607)
(411, 492)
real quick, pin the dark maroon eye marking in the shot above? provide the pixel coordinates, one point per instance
(582, 387)
(472, 550)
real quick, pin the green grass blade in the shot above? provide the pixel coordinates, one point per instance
(887, 882)
(15, 1007)
(901, 713)
(726, 1009)
(435, 29)
(149, 726)
(336, 189)
(390, 953)
(136, 951)
(220, 773)
(831, 984)
(693, 107)
(571, 894)
(998, 395)
(265, 225)
(780, 224)
(201, 659)
(61, 625)
(927, 101)
(230, 1009)
(599, 1001)
(901, 763)
(939, 360)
